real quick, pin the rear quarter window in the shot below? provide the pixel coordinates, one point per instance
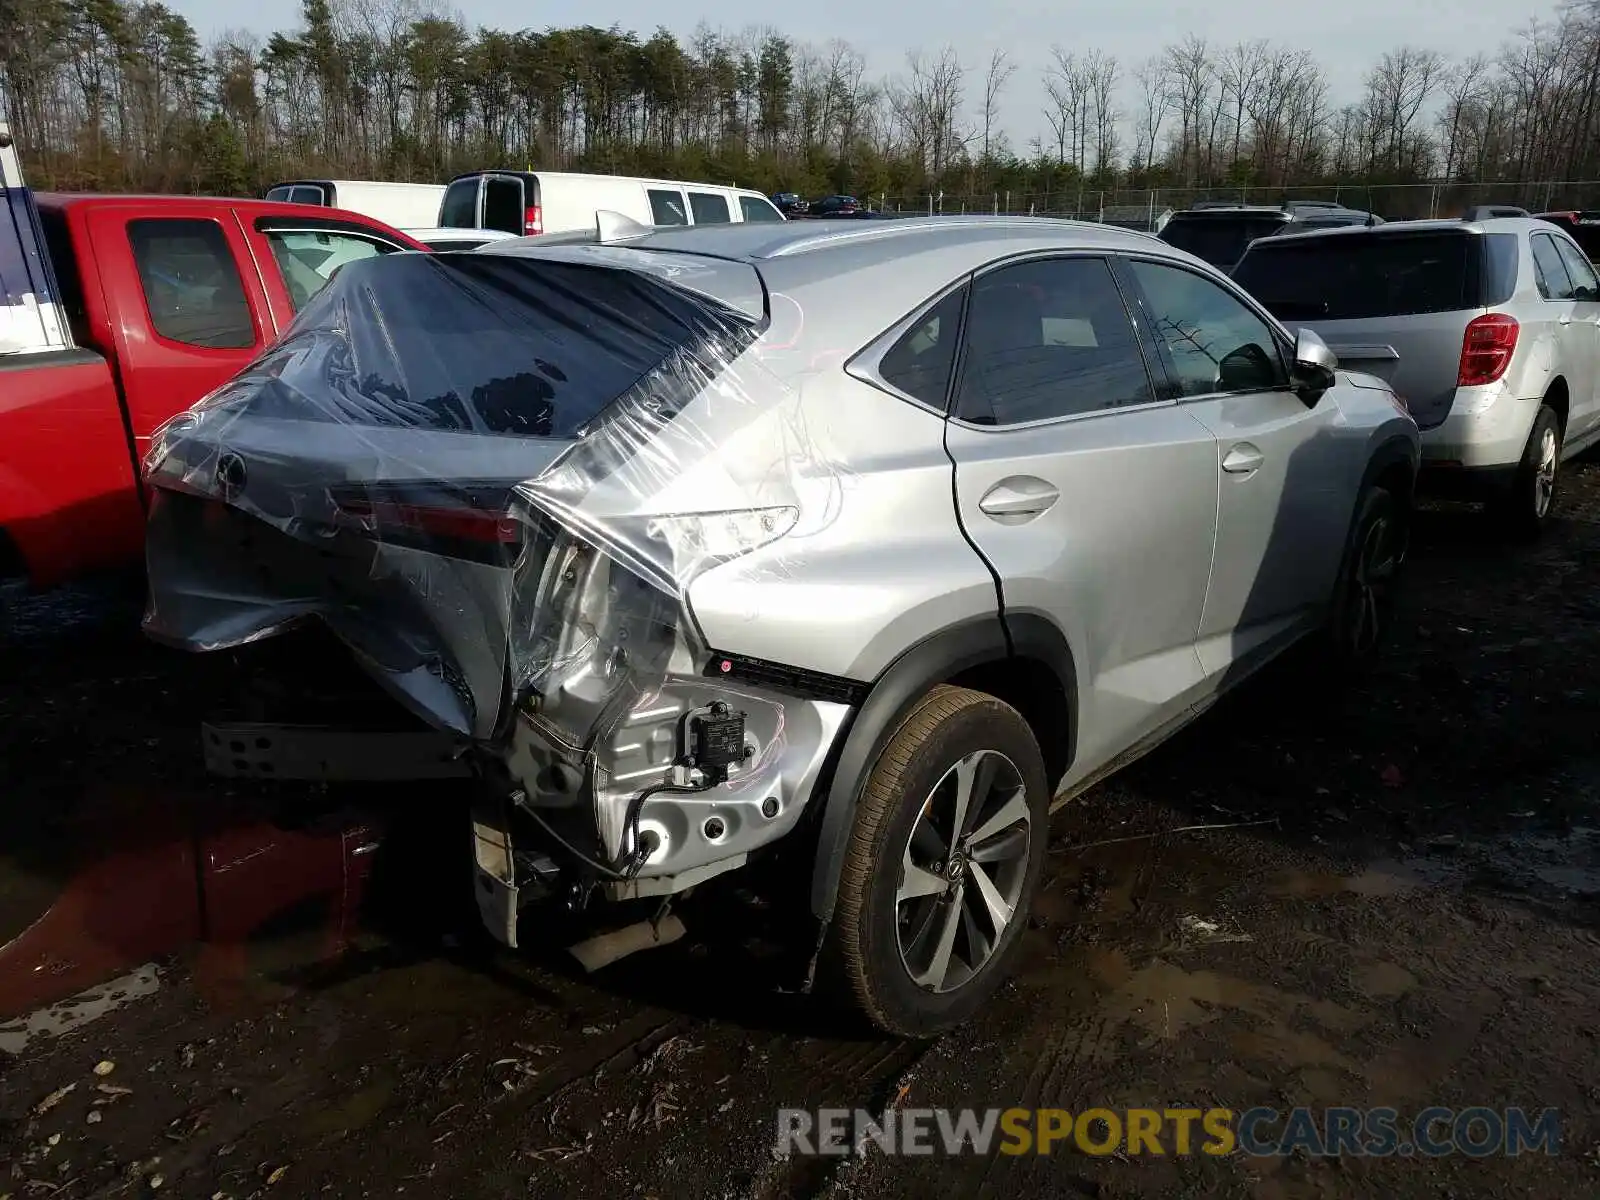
(1355, 276)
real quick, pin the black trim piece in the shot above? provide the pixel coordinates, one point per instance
(813, 685)
(74, 356)
(276, 224)
(896, 692)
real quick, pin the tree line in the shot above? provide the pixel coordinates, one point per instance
(121, 94)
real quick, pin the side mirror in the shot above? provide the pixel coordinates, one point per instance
(1585, 295)
(1314, 366)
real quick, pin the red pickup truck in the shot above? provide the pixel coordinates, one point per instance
(116, 313)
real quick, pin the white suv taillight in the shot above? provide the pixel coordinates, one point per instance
(1486, 349)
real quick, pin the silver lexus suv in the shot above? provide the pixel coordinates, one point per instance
(1488, 329)
(854, 548)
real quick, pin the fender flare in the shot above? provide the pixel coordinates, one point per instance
(932, 661)
(1396, 448)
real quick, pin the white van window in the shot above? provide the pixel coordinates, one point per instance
(310, 195)
(280, 195)
(459, 209)
(758, 208)
(666, 208)
(709, 208)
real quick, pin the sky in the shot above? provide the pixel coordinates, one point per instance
(1347, 35)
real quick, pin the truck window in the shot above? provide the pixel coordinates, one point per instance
(308, 258)
(709, 208)
(666, 208)
(502, 204)
(191, 283)
(459, 209)
(758, 208)
(280, 195)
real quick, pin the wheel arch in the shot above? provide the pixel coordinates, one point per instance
(1022, 659)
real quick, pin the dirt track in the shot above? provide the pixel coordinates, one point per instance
(1414, 925)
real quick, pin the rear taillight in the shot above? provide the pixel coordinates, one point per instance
(533, 220)
(385, 520)
(1486, 349)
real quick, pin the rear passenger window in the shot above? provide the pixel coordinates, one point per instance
(191, 283)
(1211, 340)
(755, 208)
(309, 195)
(666, 208)
(709, 208)
(1049, 338)
(1579, 269)
(1549, 271)
(919, 363)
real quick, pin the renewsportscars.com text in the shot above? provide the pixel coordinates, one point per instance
(1263, 1132)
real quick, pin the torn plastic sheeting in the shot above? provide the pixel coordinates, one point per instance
(422, 417)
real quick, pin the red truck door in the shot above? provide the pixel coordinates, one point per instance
(186, 304)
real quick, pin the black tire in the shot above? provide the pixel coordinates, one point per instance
(1362, 612)
(866, 956)
(1523, 509)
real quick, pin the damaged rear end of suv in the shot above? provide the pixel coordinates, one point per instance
(498, 481)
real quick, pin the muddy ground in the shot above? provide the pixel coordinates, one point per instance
(1403, 913)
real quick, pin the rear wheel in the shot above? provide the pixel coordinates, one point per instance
(946, 853)
(1525, 507)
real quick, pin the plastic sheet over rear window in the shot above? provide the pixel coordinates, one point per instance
(477, 343)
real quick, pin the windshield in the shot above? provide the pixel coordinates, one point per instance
(1347, 277)
(1220, 241)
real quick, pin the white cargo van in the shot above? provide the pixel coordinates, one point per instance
(535, 202)
(401, 205)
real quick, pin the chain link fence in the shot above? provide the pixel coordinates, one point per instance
(1145, 208)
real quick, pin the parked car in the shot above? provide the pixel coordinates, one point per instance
(696, 581)
(1219, 232)
(530, 203)
(402, 205)
(458, 239)
(116, 312)
(1582, 226)
(835, 206)
(791, 204)
(1487, 328)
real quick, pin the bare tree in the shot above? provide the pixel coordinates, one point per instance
(1101, 73)
(1193, 79)
(928, 105)
(994, 81)
(1403, 81)
(1155, 101)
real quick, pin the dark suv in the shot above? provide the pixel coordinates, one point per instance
(1584, 226)
(1218, 231)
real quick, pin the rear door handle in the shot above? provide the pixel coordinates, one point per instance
(1018, 498)
(1242, 459)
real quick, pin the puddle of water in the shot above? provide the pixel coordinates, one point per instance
(1380, 880)
(354, 1112)
(72, 1015)
(1383, 980)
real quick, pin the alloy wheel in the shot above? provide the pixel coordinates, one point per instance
(962, 871)
(1372, 580)
(1544, 475)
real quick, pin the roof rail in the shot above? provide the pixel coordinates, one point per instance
(1486, 212)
